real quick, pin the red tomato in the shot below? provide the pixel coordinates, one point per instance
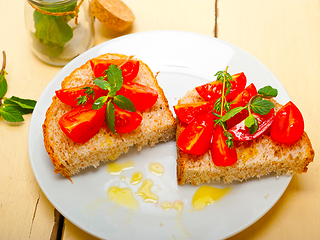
(189, 111)
(240, 101)
(213, 90)
(196, 137)
(82, 123)
(221, 154)
(129, 70)
(126, 121)
(241, 133)
(141, 96)
(288, 124)
(69, 95)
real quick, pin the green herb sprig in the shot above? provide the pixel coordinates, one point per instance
(258, 104)
(52, 31)
(226, 79)
(113, 84)
(12, 109)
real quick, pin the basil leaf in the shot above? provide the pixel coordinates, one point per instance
(268, 91)
(23, 103)
(110, 117)
(124, 103)
(3, 85)
(99, 102)
(114, 77)
(11, 114)
(231, 113)
(254, 127)
(102, 84)
(261, 106)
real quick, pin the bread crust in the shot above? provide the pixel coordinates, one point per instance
(68, 158)
(256, 158)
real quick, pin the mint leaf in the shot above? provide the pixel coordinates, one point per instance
(114, 78)
(21, 110)
(110, 117)
(23, 103)
(100, 102)
(268, 91)
(3, 85)
(124, 103)
(261, 106)
(102, 84)
(52, 31)
(11, 114)
(231, 113)
(249, 121)
(254, 127)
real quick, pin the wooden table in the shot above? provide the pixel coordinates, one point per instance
(284, 35)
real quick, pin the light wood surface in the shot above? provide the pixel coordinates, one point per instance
(284, 35)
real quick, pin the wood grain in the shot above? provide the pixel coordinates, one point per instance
(283, 35)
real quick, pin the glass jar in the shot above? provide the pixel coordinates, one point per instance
(59, 30)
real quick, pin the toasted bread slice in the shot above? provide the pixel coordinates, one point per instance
(256, 158)
(68, 158)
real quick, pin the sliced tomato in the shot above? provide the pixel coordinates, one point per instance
(189, 111)
(141, 96)
(288, 124)
(221, 154)
(213, 90)
(69, 96)
(196, 137)
(241, 133)
(82, 123)
(129, 70)
(126, 121)
(240, 101)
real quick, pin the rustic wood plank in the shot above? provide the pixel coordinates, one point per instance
(25, 213)
(184, 15)
(284, 36)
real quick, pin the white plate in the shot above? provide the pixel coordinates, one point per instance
(184, 60)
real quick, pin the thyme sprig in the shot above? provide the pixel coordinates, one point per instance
(258, 104)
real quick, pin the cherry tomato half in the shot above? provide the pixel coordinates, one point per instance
(189, 111)
(82, 123)
(288, 124)
(141, 96)
(126, 121)
(213, 90)
(221, 154)
(241, 133)
(240, 101)
(196, 137)
(129, 70)
(69, 95)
